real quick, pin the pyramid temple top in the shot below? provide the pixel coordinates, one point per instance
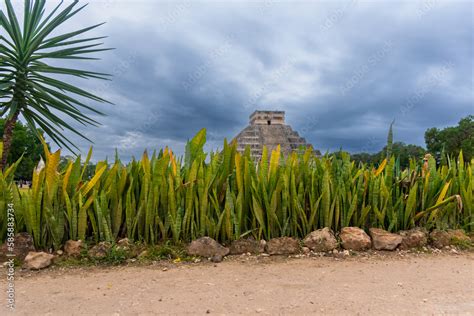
(267, 118)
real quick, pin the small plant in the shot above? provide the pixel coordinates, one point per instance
(160, 252)
(114, 256)
(461, 243)
(166, 251)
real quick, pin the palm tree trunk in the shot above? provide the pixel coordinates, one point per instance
(7, 138)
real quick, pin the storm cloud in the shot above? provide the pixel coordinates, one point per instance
(342, 71)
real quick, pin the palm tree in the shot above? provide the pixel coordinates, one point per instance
(31, 87)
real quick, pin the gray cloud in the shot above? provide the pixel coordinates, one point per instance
(342, 71)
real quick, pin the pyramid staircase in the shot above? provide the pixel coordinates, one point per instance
(268, 128)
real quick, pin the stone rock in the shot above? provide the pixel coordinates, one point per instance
(73, 248)
(342, 254)
(250, 245)
(38, 260)
(124, 244)
(100, 250)
(440, 238)
(23, 245)
(263, 244)
(384, 240)
(206, 247)
(283, 246)
(413, 238)
(354, 238)
(217, 258)
(458, 236)
(471, 236)
(321, 240)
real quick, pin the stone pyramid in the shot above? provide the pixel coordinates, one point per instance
(268, 128)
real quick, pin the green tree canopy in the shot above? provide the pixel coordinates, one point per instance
(452, 139)
(24, 143)
(400, 150)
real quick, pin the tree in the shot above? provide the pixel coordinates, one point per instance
(89, 170)
(452, 139)
(400, 150)
(33, 88)
(365, 158)
(26, 144)
(406, 152)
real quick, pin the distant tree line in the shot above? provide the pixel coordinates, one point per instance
(401, 150)
(27, 146)
(439, 142)
(451, 140)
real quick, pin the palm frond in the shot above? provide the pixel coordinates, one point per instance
(30, 85)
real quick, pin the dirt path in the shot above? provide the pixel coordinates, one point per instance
(427, 284)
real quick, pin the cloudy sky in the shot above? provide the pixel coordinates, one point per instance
(342, 71)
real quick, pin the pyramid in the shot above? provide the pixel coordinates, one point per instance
(268, 128)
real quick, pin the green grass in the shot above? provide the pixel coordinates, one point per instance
(462, 243)
(167, 251)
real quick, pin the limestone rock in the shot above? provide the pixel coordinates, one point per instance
(206, 247)
(263, 244)
(73, 248)
(283, 246)
(38, 260)
(384, 240)
(321, 240)
(100, 250)
(413, 238)
(124, 244)
(22, 246)
(251, 245)
(471, 236)
(354, 238)
(458, 236)
(217, 258)
(439, 238)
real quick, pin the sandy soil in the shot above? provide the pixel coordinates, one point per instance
(415, 284)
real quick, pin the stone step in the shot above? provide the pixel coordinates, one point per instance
(258, 135)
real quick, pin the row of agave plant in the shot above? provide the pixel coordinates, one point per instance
(228, 196)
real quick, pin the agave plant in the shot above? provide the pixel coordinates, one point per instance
(30, 85)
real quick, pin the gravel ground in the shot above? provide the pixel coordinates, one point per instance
(392, 284)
